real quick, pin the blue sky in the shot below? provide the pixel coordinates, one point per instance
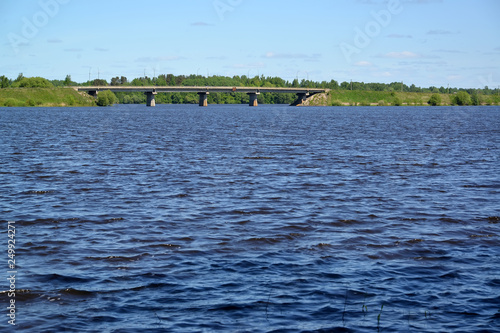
(424, 42)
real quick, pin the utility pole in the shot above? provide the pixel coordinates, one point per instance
(351, 84)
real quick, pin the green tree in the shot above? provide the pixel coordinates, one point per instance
(67, 81)
(99, 82)
(115, 81)
(162, 80)
(33, 82)
(345, 85)
(475, 99)
(105, 98)
(19, 77)
(461, 98)
(4, 82)
(397, 101)
(435, 100)
(170, 80)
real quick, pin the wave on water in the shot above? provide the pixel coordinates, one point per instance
(276, 219)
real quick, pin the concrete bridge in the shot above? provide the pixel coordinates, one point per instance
(253, 92)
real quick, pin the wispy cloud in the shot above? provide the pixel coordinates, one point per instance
(201, 24)
(272, 55)
(369, 2)
(439, 32)
(399, 36)
(54, 40)
(159, 59)
(421, 2)
(73, 50)
(401, 55)
(363, 64)
(449, 51)
(494, 51)
(216, 58)
(100, 49)
(454, 77)
(413, 2)
(247, 66)
(382, 74)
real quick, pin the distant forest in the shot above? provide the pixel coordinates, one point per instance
(235, 81)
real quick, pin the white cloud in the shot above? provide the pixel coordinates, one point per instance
(159, 59)
(439, 32)
(449, 51)
(363, 64)
(382, 74)
(201, 24)
(399, 36)
(247, 66)
(272, 55)
(454, 77)
(402, 55)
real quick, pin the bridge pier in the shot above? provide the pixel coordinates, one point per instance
(203, 98)
(301, 97)
(253, 98)
(93, 93)
(150, 96)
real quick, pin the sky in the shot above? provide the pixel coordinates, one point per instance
(422, 42)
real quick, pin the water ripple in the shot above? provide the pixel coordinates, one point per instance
(275, 220)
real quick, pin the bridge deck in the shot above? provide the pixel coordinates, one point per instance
(205, 89)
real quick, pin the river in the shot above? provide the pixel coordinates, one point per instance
(269, 219)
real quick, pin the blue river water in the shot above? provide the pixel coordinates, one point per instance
(238, 219)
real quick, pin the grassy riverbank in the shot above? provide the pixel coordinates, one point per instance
(386, 98)
(60, 97)
(50, 97)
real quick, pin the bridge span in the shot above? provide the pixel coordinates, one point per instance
(203, 92)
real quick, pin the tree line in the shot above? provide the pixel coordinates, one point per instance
(236, 81)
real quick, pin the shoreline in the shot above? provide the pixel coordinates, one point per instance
(68, 97)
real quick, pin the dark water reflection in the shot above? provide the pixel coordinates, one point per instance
(230, 218)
